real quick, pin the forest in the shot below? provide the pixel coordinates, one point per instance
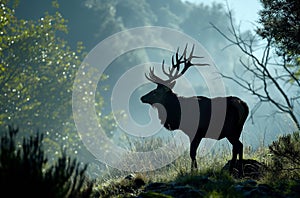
(72, 123)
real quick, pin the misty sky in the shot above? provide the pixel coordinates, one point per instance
(245, 11)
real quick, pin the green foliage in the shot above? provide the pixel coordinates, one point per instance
(37, 72)
(23, 168)
(276, 18)
(280, 20)
(286, 156)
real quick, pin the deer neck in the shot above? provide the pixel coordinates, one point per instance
(171, 112)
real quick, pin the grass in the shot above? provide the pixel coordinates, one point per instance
(209, 181)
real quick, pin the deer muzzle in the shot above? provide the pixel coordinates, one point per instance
(145, 99)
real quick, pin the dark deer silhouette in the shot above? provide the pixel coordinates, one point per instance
(195, 115)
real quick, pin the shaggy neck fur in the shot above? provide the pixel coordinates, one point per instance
(172, 108)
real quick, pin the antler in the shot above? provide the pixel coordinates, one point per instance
(175, 68)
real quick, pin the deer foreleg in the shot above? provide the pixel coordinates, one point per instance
(193, 152)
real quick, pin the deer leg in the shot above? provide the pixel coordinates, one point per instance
(240, 153)
(237, 149)
(233, 160)
(193, 151)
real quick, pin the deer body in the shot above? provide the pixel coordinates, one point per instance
(175, 112)
(193, 115)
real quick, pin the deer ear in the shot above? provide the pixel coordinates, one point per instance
(172, 84)
(169, 88)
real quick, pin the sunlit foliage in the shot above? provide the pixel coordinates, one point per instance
(37, 69)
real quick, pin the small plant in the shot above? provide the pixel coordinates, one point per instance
(23, 173)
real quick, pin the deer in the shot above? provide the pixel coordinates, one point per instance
(192, 115)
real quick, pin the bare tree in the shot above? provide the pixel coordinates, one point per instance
(267, 74)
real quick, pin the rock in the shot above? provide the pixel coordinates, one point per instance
(178, 191)
(157, 187)
(201, 180)
(249, 182)
(183, 191)
(245, 190)
(138, 181)
(129, 177)
(153, 195)
(250, 189)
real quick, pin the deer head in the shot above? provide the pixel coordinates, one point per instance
(163, 98)
(164, 87)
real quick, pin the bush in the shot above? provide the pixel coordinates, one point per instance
(23, 170)
(286, 156)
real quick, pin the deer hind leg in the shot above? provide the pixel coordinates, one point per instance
(193, 151)
(237, 149)
(240, 164)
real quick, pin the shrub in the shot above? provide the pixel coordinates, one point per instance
(286, 156)
(23, 170)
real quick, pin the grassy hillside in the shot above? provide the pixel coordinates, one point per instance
(267, 172)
